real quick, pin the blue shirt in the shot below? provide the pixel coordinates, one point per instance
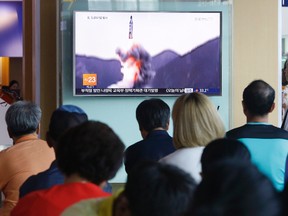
(268, 146)
(43, 180)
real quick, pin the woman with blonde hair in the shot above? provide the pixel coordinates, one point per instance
(196, 122)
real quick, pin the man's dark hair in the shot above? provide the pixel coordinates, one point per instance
(157, 189)
(235, 188)
(23, 117)
(12, 82)
(92, 150)
(152, 113)
(223, 149)
(258, 97)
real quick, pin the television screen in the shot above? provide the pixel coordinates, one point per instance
(11, 29)
(147, 53)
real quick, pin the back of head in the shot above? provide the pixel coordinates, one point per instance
(223, 149)
(91, 150)
(258, 97)
(14, 84)
(235, 188)
(196, 121)
(23, 117)
(65, 117)
(152, 113)
(157, 189)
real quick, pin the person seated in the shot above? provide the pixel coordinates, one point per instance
(28, 156)
(267, 144)
(62, 119)
(13, 85)
(14, 90)
(152, 189)
(88, 155)
(153, 119)
(235, 187)
(10, 94)
(196, 123)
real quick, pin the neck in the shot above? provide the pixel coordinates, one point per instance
(17, 139)
(74, 178)
(145, 133)
(263, 119)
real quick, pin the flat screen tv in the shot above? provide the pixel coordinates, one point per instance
(146, 53)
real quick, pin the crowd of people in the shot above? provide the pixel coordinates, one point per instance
(202, 170)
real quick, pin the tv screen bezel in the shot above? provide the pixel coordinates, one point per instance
(129, 91)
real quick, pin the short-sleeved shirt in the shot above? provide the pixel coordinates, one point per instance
(268, 146)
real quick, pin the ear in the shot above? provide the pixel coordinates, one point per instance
(38, 129)
(144, 133)
(167, 125)
(272, 107)
(244, 107)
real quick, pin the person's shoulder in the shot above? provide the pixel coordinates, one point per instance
(257, 130)
(280, 132)
(12, 150)
(41, 144)
(31, 197)
(171, 157)
(191, 151)
(28, 185)
(161, 133)
(183, 152)
(41, 141)
(234, 133)
(42, 180)
(135, 146)
(24, 205)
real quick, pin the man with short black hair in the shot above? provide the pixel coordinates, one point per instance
(267, 144)
(153, 119)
